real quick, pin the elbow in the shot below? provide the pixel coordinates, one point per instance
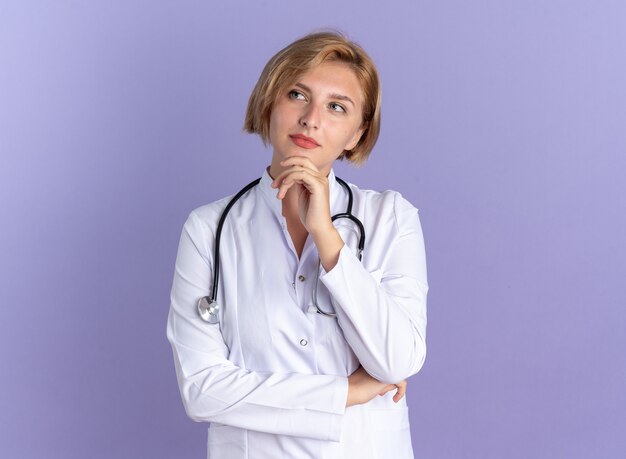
(418, 362)
(416, 359)
(398, 366)
(197, 406)
(197, 387)
(192, 413)
(190, 402)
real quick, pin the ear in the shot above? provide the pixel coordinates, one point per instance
(355, 138)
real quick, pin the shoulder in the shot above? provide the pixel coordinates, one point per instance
(205, 218)
(207, 212)
(388, 203)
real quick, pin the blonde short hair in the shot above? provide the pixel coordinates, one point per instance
(303, 54)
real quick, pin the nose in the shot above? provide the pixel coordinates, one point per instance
(310, 117)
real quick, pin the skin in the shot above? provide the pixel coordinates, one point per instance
(326, 104)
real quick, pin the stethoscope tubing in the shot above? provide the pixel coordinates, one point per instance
(208, 308)
(218, 235)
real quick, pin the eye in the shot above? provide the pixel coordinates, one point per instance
(293, 94)
(336, 107)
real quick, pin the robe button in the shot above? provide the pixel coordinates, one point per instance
(301, 278)
(303, 342)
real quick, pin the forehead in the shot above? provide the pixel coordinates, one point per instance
(333, 78)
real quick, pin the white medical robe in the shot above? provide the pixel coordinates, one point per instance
(271, 377)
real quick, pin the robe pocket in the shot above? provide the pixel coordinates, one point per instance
(394, 419)
(390, 433)
(226, 441)
(374, 433)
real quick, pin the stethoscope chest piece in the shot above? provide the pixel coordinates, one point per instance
(208, 310)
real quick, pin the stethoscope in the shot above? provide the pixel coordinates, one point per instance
(208, 309)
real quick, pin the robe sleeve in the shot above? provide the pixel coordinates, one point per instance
(383, 313)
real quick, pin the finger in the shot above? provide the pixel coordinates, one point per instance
(400, 393)
(387, 388)
(301, 176)
(288, 181)
(300, 161)
(290, 170)
(283, 187)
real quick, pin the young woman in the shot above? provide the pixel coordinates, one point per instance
(306, 350)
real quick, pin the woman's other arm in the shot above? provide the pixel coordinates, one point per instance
(383, 315)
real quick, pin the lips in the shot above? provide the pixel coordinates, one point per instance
(303, 141)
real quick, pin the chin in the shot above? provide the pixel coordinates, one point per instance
(296, 152)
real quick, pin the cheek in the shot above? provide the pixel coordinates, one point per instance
(279, 119)
(274, 125)
(347, 135)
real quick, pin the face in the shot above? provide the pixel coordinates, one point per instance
(318, 116)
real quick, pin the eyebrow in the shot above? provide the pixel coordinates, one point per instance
(332, 96)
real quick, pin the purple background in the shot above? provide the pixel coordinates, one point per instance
(503, 122)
